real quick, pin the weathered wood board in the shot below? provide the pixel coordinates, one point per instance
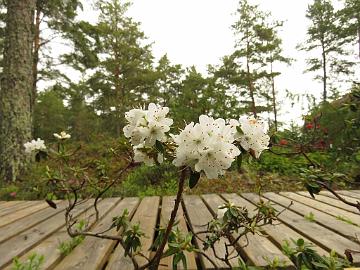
(28, 227)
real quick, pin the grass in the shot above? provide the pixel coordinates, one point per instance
(347, 220)
(310, 217)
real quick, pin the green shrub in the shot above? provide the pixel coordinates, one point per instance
(149, 181)
(9, 193)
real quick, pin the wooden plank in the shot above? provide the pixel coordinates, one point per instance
(11, 217)
(93, 252)
(326, 198)
(321, 206)
(257, 248)
(49, 247)
(166, 207)
(22, 242)
(286, 234)
(281, 233)
(17, 206)
(349, 193)
(27, 222)
(146, 215)
(321, 218)
(6, 204)
(349, 198)
(199, 216)
(323, 237)
(119, 261)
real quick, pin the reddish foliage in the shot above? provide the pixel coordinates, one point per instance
(309, 125)
(283, 142)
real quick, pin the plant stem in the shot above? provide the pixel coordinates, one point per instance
(108, 187)
(155, 261)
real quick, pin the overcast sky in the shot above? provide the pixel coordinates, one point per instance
(197, 32)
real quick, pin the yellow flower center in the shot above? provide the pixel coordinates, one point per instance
(253, 121)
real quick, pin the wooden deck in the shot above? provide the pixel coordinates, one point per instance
(28, 227)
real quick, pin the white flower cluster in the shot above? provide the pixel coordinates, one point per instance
(62, 136)
(145, 128)
(254, 138)
(206, 146)
(34, 145)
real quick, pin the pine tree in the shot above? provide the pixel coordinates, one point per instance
(323, 36)
(168, 82)
(57, 17)
(350, 22)
(274, 49)
(122, 74)
(245, 68)
(16, 88)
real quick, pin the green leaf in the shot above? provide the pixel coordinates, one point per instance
(51, 203)
(239, 162)
(170, 252)
(300, 242)
(313, 188)
(177, 258)
(239, 130)
(194, 179)
(183, 259)
(159, 147)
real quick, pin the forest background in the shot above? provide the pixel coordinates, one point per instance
(106, 66)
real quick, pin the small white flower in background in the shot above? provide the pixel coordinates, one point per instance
(62, 136)
(141, 156)
(254, 138)
(147, 126)
(206, 146)
(34, 145)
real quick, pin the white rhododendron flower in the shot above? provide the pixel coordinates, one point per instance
(62, 136)
(136, 119)
(141, 156)
(34, 145)
(254, 138)
(147, 126)
(206, 146)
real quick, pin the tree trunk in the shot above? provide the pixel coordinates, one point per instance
(16, 88)
(36, 53)
(119, 100)
(324, 73)
(251, 88)
(359, 38)
(273, 97)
